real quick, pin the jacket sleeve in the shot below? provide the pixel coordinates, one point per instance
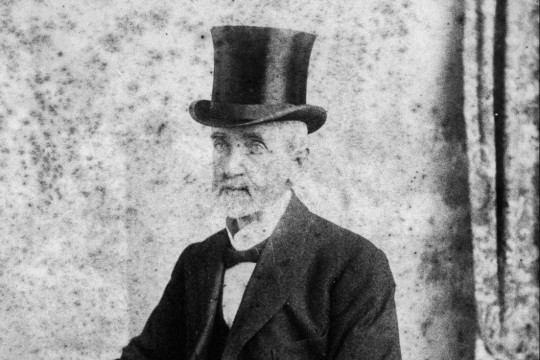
(363, 316)
(163, 335)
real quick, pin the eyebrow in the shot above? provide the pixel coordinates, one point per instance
(248, 136)
(254, 136)
(217, 136)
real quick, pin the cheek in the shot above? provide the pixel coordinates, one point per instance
(256, 171)
(218, 163)
(271, 172)
(215, 169)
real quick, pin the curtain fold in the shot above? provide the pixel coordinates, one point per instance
(501, 114)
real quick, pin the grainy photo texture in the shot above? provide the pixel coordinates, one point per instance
(269, 180)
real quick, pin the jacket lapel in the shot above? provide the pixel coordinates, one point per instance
(273, 277)
(206, 284)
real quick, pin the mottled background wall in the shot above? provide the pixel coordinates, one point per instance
(104, 178)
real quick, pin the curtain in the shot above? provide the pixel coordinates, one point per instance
(501, 114)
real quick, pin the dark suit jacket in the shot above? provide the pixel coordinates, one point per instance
(318, 292)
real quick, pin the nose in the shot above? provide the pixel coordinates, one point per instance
(234, 162)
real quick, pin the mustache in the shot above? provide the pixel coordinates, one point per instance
(225, 183)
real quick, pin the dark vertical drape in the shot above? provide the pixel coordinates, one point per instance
(501, 145)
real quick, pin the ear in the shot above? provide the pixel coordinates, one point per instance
(299, 159)
(301, 156)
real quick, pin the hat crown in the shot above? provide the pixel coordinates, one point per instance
(260, 65)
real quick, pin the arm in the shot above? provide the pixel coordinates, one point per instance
(363, 324)
(163, 335)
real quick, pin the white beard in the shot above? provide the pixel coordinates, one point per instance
(237, 203)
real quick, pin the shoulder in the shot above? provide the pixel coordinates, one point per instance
(207, 244)
(199, 251)
(334, 238)
(341, 248)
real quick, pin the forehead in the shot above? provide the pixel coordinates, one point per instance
(265, 132)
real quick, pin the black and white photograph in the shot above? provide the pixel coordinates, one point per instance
(269, 180)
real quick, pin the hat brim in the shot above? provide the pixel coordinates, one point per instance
(237, 115)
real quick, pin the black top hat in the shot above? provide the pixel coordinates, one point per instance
(260, 75)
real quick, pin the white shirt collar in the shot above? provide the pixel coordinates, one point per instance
(260, 230)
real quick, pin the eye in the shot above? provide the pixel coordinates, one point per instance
(256, 147)
(220, 145)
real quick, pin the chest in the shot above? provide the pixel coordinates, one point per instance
(235, 281)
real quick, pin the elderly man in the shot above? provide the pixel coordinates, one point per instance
(279, 282)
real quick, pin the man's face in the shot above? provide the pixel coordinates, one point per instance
(252, 166)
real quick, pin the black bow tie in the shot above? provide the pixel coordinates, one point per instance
(232, 257)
